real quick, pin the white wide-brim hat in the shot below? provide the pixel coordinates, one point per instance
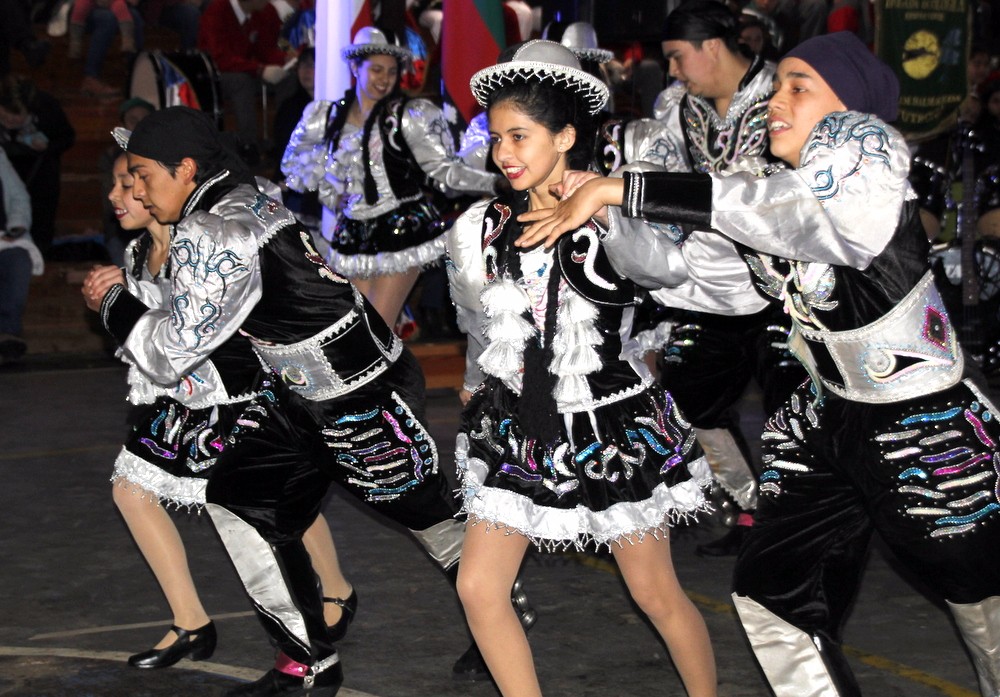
(370, 41)
(581, 39)
(546, 62)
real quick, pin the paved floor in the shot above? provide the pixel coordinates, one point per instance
(76, 598)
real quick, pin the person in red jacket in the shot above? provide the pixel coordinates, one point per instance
(241, 37)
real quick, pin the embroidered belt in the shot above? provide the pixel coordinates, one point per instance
(332, 363)
(909, 352)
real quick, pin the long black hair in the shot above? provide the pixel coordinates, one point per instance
(699, 20)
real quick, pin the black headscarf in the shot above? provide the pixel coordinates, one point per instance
(857, 76)
(169, 135)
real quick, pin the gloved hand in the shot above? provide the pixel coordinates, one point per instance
(273, 74)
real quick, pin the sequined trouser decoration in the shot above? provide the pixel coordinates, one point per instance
(707, 365)
(269, 486)
(923, 473)
(172, 448)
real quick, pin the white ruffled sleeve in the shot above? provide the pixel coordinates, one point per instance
(466, 279)
(305, 157)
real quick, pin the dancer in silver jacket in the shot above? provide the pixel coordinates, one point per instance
(892, 434)
(372, 156)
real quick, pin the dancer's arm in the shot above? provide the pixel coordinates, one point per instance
(216, 284)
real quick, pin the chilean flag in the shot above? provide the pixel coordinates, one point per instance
(472, 36)
(177, 89)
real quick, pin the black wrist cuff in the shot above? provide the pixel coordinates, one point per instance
(668, 197)
(120, 310)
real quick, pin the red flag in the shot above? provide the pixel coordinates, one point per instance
(362, 12)
(472, 37)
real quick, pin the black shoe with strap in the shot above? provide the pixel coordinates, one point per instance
(196, 644)
(338, 630)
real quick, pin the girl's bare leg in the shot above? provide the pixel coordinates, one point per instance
(161, 546)
(388, 293)
(490, 562)
(649, 574)
(319, 543)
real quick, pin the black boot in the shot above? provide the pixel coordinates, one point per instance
(833, 657)
(726, 546)
(324, 683)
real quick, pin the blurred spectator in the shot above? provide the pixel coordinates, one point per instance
(103, 27)
(305, 206)
(241, 36)
(796, 20)
(78, 23)
(855, 16)
(977, 70)
(289, 111)
(130, 112)
(636, 76)
(19, 259)
(34, 133)
(754, 34)
(16, 33)
(180, 16)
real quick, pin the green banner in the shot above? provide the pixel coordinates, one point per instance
(926, 44)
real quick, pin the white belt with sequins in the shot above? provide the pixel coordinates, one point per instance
(342, 357)
(909, 352)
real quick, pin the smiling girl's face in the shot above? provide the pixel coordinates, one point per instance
(377, 76)
(530, 155)
(131, 214)
(801, 99)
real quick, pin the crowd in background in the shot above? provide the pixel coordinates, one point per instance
(263, 55)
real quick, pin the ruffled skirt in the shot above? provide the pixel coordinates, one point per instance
(171, 449)
(622, 471)
(411, 236)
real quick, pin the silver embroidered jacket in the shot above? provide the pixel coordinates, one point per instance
(704, 141)
(708, 142)
(203, 386)
(241, 263)
(836, 241)
(339, 176)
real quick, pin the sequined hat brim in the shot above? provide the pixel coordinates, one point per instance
(364, 50)
(590, 89)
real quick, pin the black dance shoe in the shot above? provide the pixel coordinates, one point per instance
(726, 546)
(470, 666)
(196, 644)
(275, 683)
(338, 631)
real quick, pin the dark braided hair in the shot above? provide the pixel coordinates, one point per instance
(335, 127)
